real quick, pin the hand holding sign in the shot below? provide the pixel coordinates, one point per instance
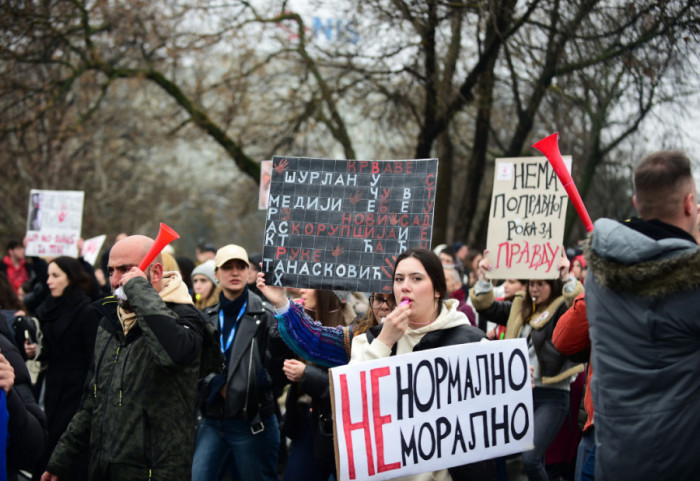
(483, 267)
(564, 264)
(275, 295)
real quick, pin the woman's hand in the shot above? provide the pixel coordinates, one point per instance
(564, 264)
(293, 369)
(394, 325)
(483, 267)
(275, 295)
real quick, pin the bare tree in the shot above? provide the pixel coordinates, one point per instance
(90, 89)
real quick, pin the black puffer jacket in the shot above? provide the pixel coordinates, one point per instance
(254, 376)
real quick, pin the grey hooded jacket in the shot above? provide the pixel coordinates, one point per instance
(643, 302)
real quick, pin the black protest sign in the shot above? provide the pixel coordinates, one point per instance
(340, 224)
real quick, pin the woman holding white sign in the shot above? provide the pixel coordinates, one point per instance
(426, 318)
(533, 314)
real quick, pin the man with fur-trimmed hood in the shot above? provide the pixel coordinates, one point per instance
(643, 302)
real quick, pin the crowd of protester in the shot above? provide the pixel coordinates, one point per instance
(197, 369)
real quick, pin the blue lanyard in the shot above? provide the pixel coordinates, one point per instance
(233, 329)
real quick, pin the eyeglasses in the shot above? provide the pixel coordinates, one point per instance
(377, 302)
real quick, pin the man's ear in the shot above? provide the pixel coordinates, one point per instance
(634, 203)
(156, 273)
(690, 206)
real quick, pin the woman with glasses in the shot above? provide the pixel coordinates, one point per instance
(311, 340)
(532, 315)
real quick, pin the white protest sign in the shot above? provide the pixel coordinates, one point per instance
(526, 220)
(53, 223)
(91, 248)
(433, 409)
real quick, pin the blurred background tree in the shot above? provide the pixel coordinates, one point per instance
(162, 111)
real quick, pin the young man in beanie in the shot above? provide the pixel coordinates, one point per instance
(239, 405)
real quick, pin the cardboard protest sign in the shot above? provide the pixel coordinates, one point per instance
(339, 224)
(526, 220)
(431, 410)
(53, 223)
(265, 177)
(91, 248)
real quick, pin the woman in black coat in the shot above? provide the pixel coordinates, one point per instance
(69, 323)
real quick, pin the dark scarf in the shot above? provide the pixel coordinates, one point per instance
(53, 308)
(57, 313)
(231, 309)
(657, 230)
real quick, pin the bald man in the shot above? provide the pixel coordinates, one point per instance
(136, 421)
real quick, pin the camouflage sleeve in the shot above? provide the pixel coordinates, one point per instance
(174, 340)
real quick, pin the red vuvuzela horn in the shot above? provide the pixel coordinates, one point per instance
(549, 146)
(165, 236)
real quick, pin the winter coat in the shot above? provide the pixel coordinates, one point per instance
(69, 324)
(643, 306)
(137, 419)
(571, 338)
(254, 377)
(554, 367)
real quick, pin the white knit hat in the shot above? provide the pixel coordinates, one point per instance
(205, 269)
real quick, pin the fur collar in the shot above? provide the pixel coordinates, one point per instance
(657, 277)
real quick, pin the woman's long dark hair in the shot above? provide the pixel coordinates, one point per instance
(527, 308)
(330, 311)
(75, 272)
(433, 267)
